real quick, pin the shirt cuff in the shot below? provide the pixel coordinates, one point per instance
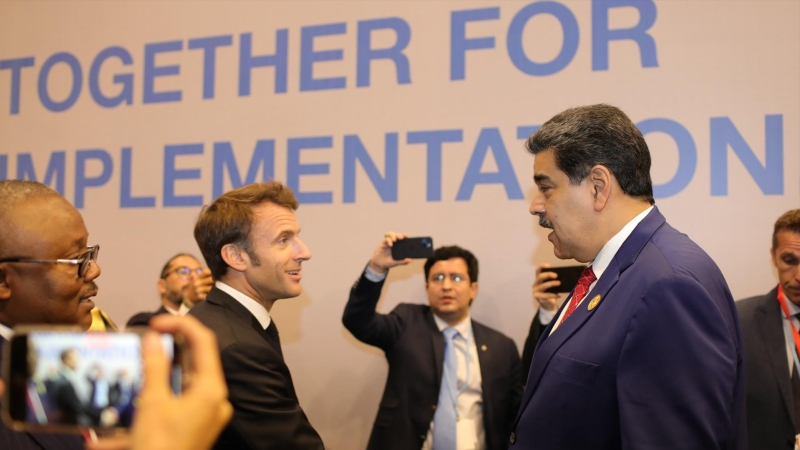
(545, 317)
(373, 276)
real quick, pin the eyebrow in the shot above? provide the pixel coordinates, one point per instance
(539, 178)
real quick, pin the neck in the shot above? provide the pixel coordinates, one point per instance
(168, 304)
(453, 320)
(612, 219)
(239, 282)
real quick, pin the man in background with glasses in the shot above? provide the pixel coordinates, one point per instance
(182, 284)
(453, 382)
(47, 274)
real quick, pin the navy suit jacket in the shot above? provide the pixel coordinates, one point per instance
(657, 364)
(770, 405)
(414, 348)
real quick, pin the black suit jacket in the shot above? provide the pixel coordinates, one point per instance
(414, 347)
(770, 421)
(534, 334)
(266, 413)
(142, 319)
(13, 440)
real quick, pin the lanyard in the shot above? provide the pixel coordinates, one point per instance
(790, 331)
(452, 389)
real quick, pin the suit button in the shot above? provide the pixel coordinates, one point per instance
(433, 407)
(512, 438)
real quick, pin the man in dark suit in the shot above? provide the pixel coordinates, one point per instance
(422, 406)
(249, 239)
(182, 284)
(773, 384)
(647, 351)
(46, 277)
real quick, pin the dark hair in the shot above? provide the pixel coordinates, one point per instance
(454, 251)
(229, 218)
(165, 269)
(788, 221)
(584, 137)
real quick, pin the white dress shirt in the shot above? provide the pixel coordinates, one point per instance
(606, 255)
(6, 332)
(255, 308)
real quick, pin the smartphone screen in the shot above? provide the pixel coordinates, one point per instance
(64, 381)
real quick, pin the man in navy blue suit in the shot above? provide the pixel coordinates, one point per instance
(646, 353)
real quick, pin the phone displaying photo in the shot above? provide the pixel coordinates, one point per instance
(61, 380)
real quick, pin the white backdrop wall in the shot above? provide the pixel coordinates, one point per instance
(400, 115)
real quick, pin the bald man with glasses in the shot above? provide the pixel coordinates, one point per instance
(182, 284)
(47, 273)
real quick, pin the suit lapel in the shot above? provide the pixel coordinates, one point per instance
(770, 324)
(437, 347)
(486, 361)
(624, 258)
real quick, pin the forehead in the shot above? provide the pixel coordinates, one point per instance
(452, 265)
(788, 241)
(184, 261)
(44, 226)
(272, 219)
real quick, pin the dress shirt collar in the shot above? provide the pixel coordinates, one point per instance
(463, 327)
(607, 253)
(6, 332)
(183, 310)
(794, 310)
(172, 311)
(257, 309)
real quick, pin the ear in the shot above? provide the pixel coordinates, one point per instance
(161, 286)
(236, 258)
(772, 255)
(473, 290)
(5, 290)
(601, 182)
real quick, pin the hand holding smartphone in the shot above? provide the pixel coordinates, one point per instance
(416, 247)
(567, 275)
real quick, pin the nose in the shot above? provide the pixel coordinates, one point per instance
(93, 272)
(537, 204)
(447, 283)
(303, 253)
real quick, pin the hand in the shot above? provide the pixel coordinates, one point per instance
(197, 290)
(545, 280)
(382, 259)
(164, 421)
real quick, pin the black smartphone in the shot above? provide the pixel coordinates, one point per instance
(416, 247)
(567, 275)
(65, 381)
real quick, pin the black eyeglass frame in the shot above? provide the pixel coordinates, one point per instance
(178, 270)
(83, 261)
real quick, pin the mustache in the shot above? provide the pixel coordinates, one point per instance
(89, 289)
(543, 222)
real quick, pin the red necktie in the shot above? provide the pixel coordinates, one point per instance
(586, 280)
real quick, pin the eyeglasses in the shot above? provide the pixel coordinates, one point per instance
(183, 271)
(455, 278)
(83, 261)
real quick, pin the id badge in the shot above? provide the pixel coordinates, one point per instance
(466, 434)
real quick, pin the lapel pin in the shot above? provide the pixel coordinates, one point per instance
(483, 348)
(595, 301)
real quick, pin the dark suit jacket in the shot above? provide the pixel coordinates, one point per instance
(656, 365)
(142, 319)
(530, 344)
(770, 421)
(266, 413)
(414, 347)
(14, 440)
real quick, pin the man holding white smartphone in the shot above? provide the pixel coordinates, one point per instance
(47, 274)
